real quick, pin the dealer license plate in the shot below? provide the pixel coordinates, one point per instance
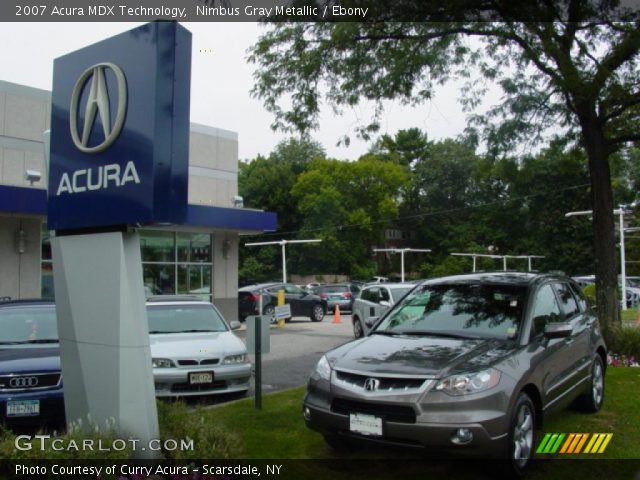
(23, 408)
(197, 378)
(365, 424)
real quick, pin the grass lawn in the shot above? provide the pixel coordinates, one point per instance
(630, 315)
(278, 432)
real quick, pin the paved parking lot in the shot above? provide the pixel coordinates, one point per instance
(296, 348)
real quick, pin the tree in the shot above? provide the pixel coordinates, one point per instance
(348, 205)
(572, 65)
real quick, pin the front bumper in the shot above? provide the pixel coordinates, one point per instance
(174, 382)
(431, 426)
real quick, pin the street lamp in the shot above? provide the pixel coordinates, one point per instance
(283, 244)
(620, 211)
(401, 251)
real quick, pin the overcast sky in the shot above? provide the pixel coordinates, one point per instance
(221, 80)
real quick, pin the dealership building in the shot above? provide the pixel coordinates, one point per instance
(200, 258)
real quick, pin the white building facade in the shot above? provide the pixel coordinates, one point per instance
(201, 259)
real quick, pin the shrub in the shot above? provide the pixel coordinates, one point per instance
(179, 422)
(590, 292)
(624, 341)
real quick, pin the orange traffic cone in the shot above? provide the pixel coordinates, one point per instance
(336, 315)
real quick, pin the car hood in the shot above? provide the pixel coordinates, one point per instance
(32, 358)
(195, 345)
(423, 355)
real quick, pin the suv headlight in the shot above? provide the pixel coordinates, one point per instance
(234, 359)
(162, 363)
(466, 383)
(323, 369)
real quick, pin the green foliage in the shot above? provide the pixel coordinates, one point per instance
(180, 422)
(578, 78)
(590, 292)
(624, 340)
(69, 446)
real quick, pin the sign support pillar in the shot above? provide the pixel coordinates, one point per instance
(104, 339)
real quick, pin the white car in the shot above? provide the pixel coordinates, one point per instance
(193, 349)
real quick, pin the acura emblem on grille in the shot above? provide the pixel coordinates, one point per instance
(371, 384)
(23, 382)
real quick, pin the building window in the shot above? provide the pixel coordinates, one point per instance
(176, 263)
(172, 263)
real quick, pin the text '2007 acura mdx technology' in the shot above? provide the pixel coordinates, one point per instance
(468, 365)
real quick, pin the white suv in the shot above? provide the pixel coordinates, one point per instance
(372, 301)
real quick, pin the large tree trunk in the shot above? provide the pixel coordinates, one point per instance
(603, 222)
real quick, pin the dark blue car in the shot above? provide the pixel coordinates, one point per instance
(30, 374)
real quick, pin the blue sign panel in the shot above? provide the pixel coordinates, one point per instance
(120, 131)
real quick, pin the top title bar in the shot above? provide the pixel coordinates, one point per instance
(297, 10)
(178, 10)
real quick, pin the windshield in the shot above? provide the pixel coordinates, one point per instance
(29, 324)
(184, 318)
(465, 310)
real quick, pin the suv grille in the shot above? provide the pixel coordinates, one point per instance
(29, 381)
(393, 413)
(387, 384)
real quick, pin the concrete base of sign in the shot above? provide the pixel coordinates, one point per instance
(104, 339)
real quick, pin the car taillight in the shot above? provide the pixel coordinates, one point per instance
(347, 295)
(323, 296)
(253, 298)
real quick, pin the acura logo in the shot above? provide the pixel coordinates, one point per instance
(371, 384)
(23, 382)
(98, 101)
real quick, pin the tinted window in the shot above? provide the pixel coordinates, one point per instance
(568, 303)
(469, 310)
(384, 295)
(370, 295)
(184, 318)
(545, 309)
(580, 298)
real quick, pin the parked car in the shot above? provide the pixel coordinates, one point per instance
(30, 375)
(377, 279)
(194, 351)
(372, 301)
(303, 303)
(336, 295)
(470, 365)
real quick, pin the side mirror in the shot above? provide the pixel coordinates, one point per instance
(370, 321)
(557, 330)
(384, 303)
(235, 324)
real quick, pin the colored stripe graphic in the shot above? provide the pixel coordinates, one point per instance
(574, 443)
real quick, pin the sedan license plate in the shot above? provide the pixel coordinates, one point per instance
(197, 378)
(365, 424)
(23, 408)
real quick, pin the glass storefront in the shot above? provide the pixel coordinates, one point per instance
(172, 263)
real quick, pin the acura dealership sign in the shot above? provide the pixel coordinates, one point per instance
(120, 131)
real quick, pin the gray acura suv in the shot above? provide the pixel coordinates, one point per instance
(469, 365)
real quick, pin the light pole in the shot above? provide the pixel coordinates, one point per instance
(401, 251)
(283, 244)
(620, 211)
